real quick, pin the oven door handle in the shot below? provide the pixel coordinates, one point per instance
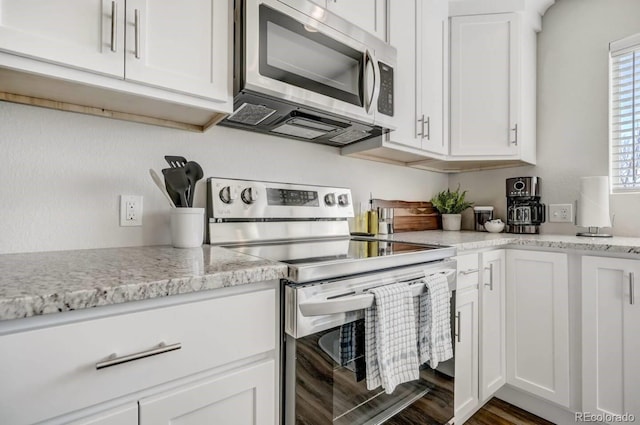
(336, 306)
(354, 302)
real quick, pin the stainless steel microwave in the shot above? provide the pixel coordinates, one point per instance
(302, 72)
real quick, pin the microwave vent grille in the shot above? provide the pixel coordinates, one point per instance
(349, 136)
(251, 114)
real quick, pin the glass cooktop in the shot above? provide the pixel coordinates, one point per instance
(318, 259)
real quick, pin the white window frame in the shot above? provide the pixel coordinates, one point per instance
(619, 162)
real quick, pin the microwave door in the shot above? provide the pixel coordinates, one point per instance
(293, 56)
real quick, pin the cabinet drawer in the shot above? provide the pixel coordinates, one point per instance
(468, 270)
(53, 371)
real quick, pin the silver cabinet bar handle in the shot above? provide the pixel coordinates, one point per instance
(113, 360)
(458, 318)
(632, 288)
(114, 26)
(428, 128)
(468, 271)
(421, 121)
(137, 32)
(515, 129)
(490, 284)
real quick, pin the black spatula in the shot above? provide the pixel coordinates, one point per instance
(175, 161)
(177, 185)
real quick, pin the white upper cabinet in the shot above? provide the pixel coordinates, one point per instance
(418, 29)
(432, 71)
(484, 85)
(178, 45)
(370, 15)
(610, 336)
(493, 88)
(84, 34)
(164, 63)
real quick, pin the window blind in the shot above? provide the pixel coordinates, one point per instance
(625, 115)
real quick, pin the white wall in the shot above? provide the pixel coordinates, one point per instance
(61, 175)
(572, 110)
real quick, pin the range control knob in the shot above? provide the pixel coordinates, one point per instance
(228, 194)
(249, 195)
(330, 199)
(343, 200)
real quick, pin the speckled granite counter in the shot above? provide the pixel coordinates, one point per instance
(469, 240)
(40, 283)
(50, 282)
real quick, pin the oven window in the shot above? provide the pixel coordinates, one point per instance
(309, 60)
(330, 385)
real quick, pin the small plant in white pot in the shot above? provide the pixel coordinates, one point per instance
(450, 205)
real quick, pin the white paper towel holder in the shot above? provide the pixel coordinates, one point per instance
(593, 205)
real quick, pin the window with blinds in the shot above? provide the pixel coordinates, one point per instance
(625, 115)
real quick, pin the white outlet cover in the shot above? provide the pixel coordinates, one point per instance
(561, 213)
(130, 210)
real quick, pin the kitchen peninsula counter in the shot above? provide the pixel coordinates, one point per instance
(471, 240)
(34, 284)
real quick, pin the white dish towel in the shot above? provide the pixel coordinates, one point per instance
(434, 326)
(391, 352)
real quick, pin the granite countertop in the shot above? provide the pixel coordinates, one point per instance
(470, 240)
(49, 282)
(34, 284)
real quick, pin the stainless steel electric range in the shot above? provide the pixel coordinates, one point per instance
(329, 275)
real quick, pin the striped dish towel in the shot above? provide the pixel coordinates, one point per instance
(391, 353)
(434, 326)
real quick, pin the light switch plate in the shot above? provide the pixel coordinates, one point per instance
(561, 213)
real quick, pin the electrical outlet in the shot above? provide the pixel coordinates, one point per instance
(130, 210)
(560, 213)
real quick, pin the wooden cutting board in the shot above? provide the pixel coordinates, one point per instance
(410, 216)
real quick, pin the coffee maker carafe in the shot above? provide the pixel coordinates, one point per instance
(525, 212)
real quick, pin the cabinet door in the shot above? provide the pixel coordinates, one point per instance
(466, 353)
(493, 364)
(610, 336)
(484, 85)
(369, 15)
(84, 34)
(432, 83)
(402, 35)
(538, 324)
(244, 397)
(125, 415)
(181, 46)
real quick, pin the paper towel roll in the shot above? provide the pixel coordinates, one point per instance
(593, 204)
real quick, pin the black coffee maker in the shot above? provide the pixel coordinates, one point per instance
(525, 212)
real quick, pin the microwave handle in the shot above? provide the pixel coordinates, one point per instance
(369, 96)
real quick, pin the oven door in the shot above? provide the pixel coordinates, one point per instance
(293, 52)
(324, 358)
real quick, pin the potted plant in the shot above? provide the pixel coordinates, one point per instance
(450, 205)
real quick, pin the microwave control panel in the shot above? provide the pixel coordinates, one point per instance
(385, 100)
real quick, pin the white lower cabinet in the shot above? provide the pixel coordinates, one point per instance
(243, 397)
(466, 354)
(124, 415)
(538, 324)
(610, 337)
(183, 360)
(492, 324)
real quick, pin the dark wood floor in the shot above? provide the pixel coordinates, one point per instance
(498, 412)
